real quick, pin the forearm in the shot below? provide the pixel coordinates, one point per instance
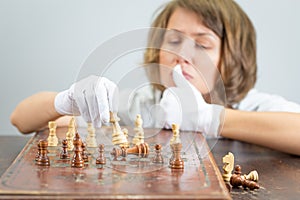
(277, 130)
(34, 112)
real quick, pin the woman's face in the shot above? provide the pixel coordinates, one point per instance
(189, 43)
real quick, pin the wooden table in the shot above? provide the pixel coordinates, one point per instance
(279, 173)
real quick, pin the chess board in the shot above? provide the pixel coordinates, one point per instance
(130, 177)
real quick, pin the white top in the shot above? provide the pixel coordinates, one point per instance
(258, 101)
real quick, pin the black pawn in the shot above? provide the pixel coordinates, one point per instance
(158, 157)
(84, 153)
(38, 153)
(64, 153)
(101, 159)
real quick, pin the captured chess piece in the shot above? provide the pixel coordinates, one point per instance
(77, 160)
(43, 159)
(237, 180)
(71, 134)
(101, 158)
(118, 137)
(64, 153)
(139, 131)
(52, 139)
(158, 158)
(252, 176)
(228, 161)
(141, 150)
(91, 136)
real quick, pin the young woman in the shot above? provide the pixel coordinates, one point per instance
(226, 35)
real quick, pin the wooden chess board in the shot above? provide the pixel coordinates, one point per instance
(132, 177)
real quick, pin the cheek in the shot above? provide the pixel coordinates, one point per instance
(166, 60)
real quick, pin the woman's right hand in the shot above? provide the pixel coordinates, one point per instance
(92, 98)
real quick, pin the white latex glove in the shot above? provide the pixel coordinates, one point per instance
(185, 106)
(91, 97)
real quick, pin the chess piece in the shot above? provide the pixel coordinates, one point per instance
(71, 134)
(77, 160)
(101, 159)
(118, 137)
(176, 162)
(126, 144)
(52, 138)
(176, 136)
(139, 131)
(141, 150)
(84, 152)
(237, 180)
(64, 153)
(252, 176)
(228, 161)
(91, 136)
(158, 158)
(43, 159)
(38, 153)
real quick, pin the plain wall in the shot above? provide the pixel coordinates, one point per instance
(44, 43)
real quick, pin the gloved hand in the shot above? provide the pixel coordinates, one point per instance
(185, 106)
(92, 98)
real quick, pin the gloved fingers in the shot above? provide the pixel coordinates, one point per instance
(102, 100)
(80, 99)
(112, 94)
(92, 106)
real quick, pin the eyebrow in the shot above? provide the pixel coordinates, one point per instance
(195, 34)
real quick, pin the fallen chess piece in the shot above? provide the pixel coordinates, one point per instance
(228, 161)
(141, 150)
(237, 180)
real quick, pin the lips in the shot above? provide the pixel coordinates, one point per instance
(187, 75)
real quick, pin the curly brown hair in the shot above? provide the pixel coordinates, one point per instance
(237, 66)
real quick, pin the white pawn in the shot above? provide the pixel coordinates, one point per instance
(125, 131)
(139, 131)
(52, 138)
(91, 136)
(71, 134)
(118, 137)
(176, 136)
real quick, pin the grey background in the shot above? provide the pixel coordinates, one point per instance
(44, 43)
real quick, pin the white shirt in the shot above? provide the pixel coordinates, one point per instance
(259, 101)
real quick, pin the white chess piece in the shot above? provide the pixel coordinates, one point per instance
(52, 138)
(71, 134)
(176, 136)
(91, 136)
(118, 137)
(139, 131)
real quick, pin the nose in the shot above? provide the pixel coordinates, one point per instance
(186, 52)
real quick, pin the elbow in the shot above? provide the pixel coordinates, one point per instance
(17, 122)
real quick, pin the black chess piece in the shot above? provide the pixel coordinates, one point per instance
(101, 158)
(64, 153)
(43, 159)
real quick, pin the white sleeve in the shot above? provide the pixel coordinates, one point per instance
(258, 101)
